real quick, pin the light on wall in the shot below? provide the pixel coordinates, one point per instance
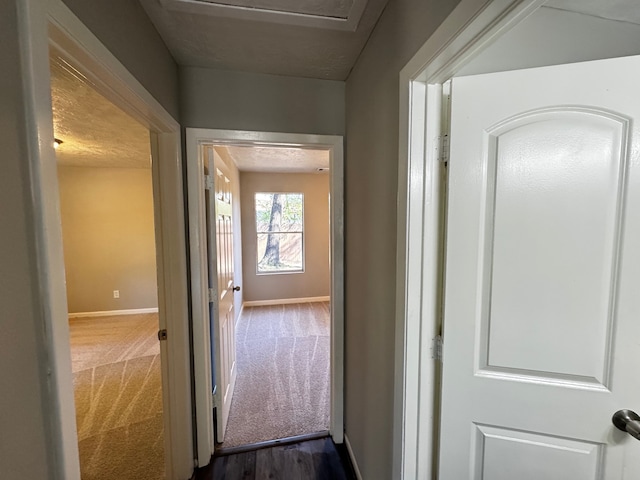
(57, 142)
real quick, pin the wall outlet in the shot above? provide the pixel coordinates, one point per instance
(116, 294)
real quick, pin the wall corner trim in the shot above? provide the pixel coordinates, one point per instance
(284, 301)
(110, 313)
(352, 457)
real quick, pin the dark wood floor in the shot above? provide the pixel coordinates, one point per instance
(318, 459)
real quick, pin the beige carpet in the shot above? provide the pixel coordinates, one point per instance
(118, 395)
(283, 383)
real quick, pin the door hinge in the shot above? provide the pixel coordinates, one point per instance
(212, 295)
(436, 349)
(208, 182)
(162, 334)
(444, 148)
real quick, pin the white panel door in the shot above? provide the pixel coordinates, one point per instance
(542, 307)
(221, 280)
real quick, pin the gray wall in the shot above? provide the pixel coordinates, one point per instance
(22, 378)
(26, 448)
(553, 37)
(371, 189)
(249, 101)
(315, 280)
(125, 29)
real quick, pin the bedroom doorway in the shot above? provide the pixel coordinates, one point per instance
(276, 314)
(107, 215)
(283, 333)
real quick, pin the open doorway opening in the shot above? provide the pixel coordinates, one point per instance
(70, 39)
(283, 334)
(267, 208)
(107, 215)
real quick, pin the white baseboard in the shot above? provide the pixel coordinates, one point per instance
(352, 457)
(111, 313)
(285, 301)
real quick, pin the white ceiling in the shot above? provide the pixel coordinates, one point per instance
(94, 132)
(277, 159)
(320, 39)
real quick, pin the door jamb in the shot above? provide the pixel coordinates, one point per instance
(470, 28)
(51, 23)
(195, 138)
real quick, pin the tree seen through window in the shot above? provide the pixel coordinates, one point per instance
(279, 228)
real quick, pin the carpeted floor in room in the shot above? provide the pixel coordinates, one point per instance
(118, 395)
(283, 383)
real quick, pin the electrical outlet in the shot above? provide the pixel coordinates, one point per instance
(116, 294)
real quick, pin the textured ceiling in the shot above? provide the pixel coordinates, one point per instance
(266, 43)
(278, 159)
(621, 10)
(94, 132)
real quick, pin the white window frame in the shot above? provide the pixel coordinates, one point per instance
(301, 232)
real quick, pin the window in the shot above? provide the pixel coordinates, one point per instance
(279, 228)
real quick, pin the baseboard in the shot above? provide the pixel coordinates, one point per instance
(112, 313)
(285, 301)
(354, 464)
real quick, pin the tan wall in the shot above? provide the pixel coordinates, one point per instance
(315, 281)
(371, 190)
(108, 235)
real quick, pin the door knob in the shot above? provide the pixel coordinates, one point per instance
(236, 288)
(627, 421)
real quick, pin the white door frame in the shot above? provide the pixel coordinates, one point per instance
(41, 25)
(471, 27)
(195, 138)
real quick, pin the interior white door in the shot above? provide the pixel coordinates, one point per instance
(221, 280)
(542, 311)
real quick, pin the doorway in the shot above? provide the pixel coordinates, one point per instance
(107, 214)
(511, 31)
(262, 303)
(283, 331)
(54, 26)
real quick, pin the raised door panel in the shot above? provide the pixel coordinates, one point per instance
(505, 454)
(550, 245)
